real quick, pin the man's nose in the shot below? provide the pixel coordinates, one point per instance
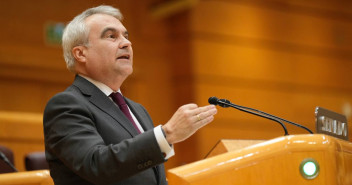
(125, 43)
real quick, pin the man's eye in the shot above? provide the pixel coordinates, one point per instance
(111, 36)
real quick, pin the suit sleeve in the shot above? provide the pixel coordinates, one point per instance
(71, 137)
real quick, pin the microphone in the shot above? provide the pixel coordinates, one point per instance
(222, 102)
(7, 161)
(226, 103)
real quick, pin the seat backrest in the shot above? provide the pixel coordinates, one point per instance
(38, 177)
(4, 167)
(36, 161)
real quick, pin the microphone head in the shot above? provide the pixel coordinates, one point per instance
(213, 100)
(221, 102)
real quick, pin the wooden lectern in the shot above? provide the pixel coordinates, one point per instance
(39, 177)
(284, 160)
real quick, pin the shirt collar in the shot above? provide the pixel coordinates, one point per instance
(104, 88)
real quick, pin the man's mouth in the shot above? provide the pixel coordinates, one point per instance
(124, 57)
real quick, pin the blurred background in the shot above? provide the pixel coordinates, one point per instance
(284, 57)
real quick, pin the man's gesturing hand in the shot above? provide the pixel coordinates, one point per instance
(187, 120)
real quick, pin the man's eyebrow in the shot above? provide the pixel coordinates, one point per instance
(106, 30)
(110, 29)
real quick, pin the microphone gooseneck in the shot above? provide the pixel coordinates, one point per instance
(225, 103)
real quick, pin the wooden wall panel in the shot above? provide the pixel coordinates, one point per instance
(260, 63)
(282, 57)
(269, 22)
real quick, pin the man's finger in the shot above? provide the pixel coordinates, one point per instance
(200, 110)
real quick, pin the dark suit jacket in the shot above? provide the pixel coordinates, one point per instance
(88, 140)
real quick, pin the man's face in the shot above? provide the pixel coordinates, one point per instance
(109, 53)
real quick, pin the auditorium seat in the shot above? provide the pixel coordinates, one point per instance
(36, 161)
(4, 167)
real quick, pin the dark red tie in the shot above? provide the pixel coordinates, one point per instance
(118, 99)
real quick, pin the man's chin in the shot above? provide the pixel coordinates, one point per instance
(127, 71)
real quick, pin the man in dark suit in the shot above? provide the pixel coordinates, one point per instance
(94, 135)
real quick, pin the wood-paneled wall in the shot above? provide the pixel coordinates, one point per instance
(283, 57)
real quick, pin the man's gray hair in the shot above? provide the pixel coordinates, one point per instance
(76, 32)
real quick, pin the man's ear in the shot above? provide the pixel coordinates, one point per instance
(79, 52)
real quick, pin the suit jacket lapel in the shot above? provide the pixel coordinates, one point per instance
(140, 114)
(100, 100)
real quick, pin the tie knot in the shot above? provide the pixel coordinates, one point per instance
(117, 98)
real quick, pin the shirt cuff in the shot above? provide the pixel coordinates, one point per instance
(163, 144)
